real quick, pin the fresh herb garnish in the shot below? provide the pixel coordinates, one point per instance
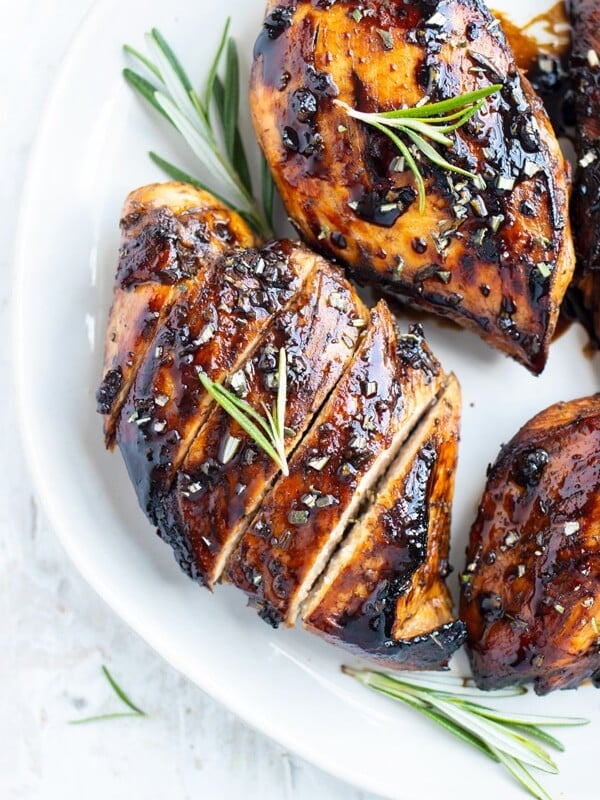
(430, 121)
(513, 740)
(268, 432)
(220, 150)
(135, 711)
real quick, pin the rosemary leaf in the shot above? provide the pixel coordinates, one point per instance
(121, 694)
(425, 128)
(268, 190)
(201, 148)
(223, 157)
(452, 104)
(176, 90)
(522, 775)
(105, 717)
(232, 98)
(238, 157)
(135, 711)
(447, 724)
(145, 89)
(512, 739)
(281, 394)
(270, 438)
(408, 157)
(431, 121)
(172, 59)
(145, 61)
(540, 734)
(432, 154)
(178, 174)
(212, 73)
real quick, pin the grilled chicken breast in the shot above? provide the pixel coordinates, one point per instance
(384, 590)
(213, 329)
(334, 471)
(531, 588)
(355, 390)
(585, 76)
(170, 232)
(495, 253)
(218, 487)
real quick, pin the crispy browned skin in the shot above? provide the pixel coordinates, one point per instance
(531, 588)
(214, 328)
(211, 501)
(368, 416)
(585, 75)
(170, 233)
(384, 592)
(475, 262)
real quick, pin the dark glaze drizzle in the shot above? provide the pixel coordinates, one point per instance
(406, 525)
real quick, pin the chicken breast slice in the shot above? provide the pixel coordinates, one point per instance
(225, 475)
(214, 329)
(170, 233)
(383, 594)
(376, 403)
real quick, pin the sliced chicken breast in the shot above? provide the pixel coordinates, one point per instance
(359, 431)
(384, 593)
(225, 475)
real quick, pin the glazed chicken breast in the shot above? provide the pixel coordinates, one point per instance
(492, 252)
(355, 391)
(531, 587)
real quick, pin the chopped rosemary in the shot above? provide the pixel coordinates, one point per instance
(220, 150)
(511, 739)
(430, 121)
(134, 711)
(268, 432)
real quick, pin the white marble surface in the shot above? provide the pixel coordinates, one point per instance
(55, 633)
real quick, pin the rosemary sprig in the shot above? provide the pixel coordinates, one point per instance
(135, 711)
(268, 432)
(422, 124)
(221, 150)
(513, 740)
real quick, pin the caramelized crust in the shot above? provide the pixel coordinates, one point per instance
(531, 588)
(215, 495)
(357, 434)
(170, 232)
(214, 328)
(384, 593)
(496, 257)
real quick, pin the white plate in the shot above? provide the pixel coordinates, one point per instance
(91, 151)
